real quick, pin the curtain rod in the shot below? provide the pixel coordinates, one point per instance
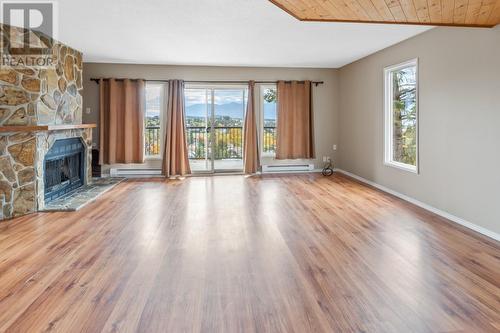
(316, 83)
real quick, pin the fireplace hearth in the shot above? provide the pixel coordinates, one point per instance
(64, 168)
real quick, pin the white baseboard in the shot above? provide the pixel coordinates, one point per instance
(425, 206)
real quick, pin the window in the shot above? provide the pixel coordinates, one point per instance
(401, 116)
(214, 126)
(153, 120)
(269, 120)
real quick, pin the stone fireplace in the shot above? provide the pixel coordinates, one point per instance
(49, 149)
(23, 161)
(41, 121)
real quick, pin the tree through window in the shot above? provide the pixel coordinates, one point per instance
(401, 116)
(269, 114)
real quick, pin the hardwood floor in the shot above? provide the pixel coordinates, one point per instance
(236, 254)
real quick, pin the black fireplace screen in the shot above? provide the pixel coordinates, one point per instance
(64, 169)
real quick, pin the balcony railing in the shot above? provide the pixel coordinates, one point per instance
(152, 140)
(269, 140)
(228, 142)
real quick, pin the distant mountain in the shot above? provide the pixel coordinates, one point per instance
(233, 110)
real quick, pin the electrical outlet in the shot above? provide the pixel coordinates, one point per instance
(334, 147)
(324, 159)
(88, 110)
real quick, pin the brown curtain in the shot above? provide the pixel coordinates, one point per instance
(121, 124)
(295, 122)
(250, 139)
(175, 156)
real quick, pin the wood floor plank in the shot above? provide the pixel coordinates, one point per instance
(281, 253)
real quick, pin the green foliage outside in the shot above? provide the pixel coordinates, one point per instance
(405, 116)
(227, 136)
(270, 96)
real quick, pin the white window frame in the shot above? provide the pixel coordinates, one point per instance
(162, 121)
(263, 87)
(388, 117)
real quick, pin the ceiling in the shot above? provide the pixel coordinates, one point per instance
(478, 13)
(216, 32)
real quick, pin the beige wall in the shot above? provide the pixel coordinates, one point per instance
(325, 97)
(459, 122)
(459, 115)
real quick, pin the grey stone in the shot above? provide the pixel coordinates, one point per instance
(31, 109)
(24, 200)
(6, 190)
(18, 118)
(57, 97)
(72, 90)
(84, 195)
(26, 176)
(3, 145)
(4, 114)
(7, 211)
(49, 102)
(7, 169)
(44, 115)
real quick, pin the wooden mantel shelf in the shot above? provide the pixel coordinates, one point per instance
(4, 129)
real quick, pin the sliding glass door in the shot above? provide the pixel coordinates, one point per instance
(214, 128)
(227, 128)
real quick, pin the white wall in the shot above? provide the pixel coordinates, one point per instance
(325, 97)
(459, 122)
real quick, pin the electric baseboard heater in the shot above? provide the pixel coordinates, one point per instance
(287, 168)
(134, 172)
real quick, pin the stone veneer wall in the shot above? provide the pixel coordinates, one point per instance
(17, 174)
(43, 96)
(36, 96)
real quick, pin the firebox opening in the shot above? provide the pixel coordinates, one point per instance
(64, 168)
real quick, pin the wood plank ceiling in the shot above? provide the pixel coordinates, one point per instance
(471, 13)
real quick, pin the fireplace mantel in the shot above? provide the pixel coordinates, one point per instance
(41, 128)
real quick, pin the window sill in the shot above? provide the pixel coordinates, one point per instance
(402, 166)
